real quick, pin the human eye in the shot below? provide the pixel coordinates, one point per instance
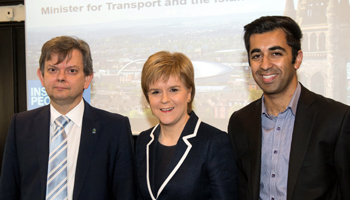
(51, 70)
(255, 56)
(154, 92)
(72, 71)
(277, 54)
(174, 89)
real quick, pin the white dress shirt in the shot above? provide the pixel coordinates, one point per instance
(73, 131)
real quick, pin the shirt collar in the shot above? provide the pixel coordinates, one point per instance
(293, 103)
(75, 115)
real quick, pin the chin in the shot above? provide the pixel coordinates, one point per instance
(166, 122)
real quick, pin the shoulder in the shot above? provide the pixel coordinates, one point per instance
(208, 133)
(145, 136)
(105, 115)
(146, 133)
(322, 103)
(209, 129)
(32, 114)
(329, 103)
(246, 112)
(213, 142)
(112, 124)
(204, 132)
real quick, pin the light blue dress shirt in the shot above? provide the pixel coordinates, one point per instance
(277, 132)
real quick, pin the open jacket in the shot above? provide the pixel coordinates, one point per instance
(319, 164)
(105, 166)
(203, 166)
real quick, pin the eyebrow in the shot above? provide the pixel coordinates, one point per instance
(174, 86)
(277, 48)
(70, 66)
(152, 89)
(255, 51)
(270, 49)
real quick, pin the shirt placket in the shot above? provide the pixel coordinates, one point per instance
(275, 154)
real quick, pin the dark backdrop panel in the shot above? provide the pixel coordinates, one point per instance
(10, 2)
(6, 83)
(20, 67)
(12, 76)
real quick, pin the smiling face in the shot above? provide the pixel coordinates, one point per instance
(271, 62)
(65, 82)
(168, 101)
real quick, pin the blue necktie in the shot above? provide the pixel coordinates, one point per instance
(56, 186)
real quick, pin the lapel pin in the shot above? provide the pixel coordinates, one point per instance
(93, 131)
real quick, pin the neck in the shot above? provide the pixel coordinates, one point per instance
(64, 108)
(169, 135)
(277, 103)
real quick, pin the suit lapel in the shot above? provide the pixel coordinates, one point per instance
(42, 132)
(183, 148)
(89, 137)
(254, 138)
(303, 126)
(150, 158)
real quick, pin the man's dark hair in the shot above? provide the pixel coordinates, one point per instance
(271, 23)
(63, 47)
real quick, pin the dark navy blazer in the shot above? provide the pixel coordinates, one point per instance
(203, 167)
(105, 159)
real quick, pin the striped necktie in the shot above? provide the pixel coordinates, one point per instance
(56, 186)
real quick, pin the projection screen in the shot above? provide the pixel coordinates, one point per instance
(122, 34)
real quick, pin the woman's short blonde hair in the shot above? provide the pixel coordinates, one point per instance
(164, 64)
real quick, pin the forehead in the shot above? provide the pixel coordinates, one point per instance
(75, 57)
(269, 39)
(164, 81)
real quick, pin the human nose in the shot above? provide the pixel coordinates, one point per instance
(165, 98)
(61, 76)
(266, 63)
